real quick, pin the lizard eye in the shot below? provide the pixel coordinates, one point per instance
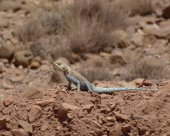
(58, 63)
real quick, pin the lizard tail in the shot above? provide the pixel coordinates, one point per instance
(110, 90)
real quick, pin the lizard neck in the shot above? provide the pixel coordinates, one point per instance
(67, 71)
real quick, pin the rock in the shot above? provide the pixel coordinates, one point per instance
(6, 85)
(17, 77)
(38, 59)
(6, 133)
(8, 101)
(5, 22)
(64, 108)
(35, 113)
(147, 82)
(19, 132)
(45, 102)
(2, 67)
(166, 86)
(116, 131)
(117, 58)
(166, 12)
(7, 35)
(142, 130)
(36, 62)
(111, 118)
(26, 126)
(137, 37)
(135, 117)
(68, 107)
(160, 42)
(4, 61)
(105, 55)
(88, 107)
(138, 81)
(104, 96)
(148, 29)
(126, 129)
(126, 85)
(3, 123)
(163, 32)
(6, 50)
(70, 115)
(35, 65)
(1, 97)
(44, 126)
(165, 23)
(44, 67)
(120, 117)
(32, 93)
(23, 58)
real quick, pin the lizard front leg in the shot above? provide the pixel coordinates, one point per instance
(69, 86)
(74, 80)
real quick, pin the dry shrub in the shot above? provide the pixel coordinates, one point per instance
(97, 73)
(141, 7)
(38, 25)
(84, 37)
(89, 25)
(29, 31)
(84, 26)
(40, 34)
(100, 10)
(135, 7)
(50, 47)
(51, 21)
(149, 68)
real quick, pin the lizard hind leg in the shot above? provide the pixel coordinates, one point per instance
(88, 86)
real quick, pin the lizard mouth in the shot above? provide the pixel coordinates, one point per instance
(55, 66)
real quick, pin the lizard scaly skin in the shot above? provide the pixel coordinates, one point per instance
(82, 83)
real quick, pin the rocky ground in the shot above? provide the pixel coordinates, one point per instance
(54, 111)
(132, 51)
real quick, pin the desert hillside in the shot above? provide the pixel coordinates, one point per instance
(112, 43)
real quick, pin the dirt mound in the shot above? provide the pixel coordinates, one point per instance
(60, 112)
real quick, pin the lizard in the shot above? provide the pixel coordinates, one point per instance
(82, 83)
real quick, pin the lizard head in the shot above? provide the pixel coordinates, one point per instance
(60, 65)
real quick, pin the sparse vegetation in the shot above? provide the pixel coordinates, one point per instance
(86, 37)
(141, 7)
(29, 31)
(90, 25)
(38, 25)
(112, 43)
(97, 73)
(149, 68)
(135, 7)
(85, 25)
